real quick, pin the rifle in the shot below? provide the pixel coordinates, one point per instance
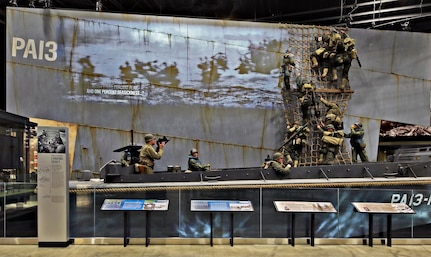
(293, 136)
(316, 110)
(359, 62)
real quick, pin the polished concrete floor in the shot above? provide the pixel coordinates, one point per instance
(216, 250)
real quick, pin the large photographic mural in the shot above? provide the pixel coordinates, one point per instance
(192, 80)
(156, 62)
(148, 60)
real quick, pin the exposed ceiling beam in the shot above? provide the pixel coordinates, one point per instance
(335, 8)
(398, 18)
(394, 9)
(388, 10)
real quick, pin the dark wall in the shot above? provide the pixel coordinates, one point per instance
(3, 64)
(9, 153)
(88, 220)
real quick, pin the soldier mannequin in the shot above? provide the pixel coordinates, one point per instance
(298, 142)
(277, 164)
(147, 154)
(194, 164)
(333, 114)
(331, 141)
(306, 97)
(286, 68)
(357, 144)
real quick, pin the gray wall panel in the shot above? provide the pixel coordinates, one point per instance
(375, 49)
(225, 137)
(412, 55)
(390, 97)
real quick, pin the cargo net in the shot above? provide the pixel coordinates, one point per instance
(302, 86)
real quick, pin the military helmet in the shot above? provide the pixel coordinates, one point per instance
(349, 41)
(330, 126)
(148, 137)
(194, 150)
(358, 124)
(277, 156)
(335, 36)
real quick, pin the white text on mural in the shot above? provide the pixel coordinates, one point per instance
(42, 50)
(412, 199)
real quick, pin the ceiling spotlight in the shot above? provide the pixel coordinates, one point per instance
(99, 5)
(47, 3)
(348, 20)
(405, 26)
(13, 3)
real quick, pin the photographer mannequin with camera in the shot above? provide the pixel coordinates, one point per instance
(148, 154)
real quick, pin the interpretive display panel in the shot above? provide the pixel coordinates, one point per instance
(384, 208)
(381, 208)
(134, 205)
(287, 206)
(303, 207)
(220, 205)
(126, 205)
(53, 186)
(212, 206)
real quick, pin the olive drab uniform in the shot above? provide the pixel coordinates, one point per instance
(280, 168)
(333, 114)
(194, 164)
(357, 144)
(345, 59)
(325, 56)
(286, 68)
(306, 98)
(147, 156)
(335, 47)
(331, 142)
(299, 141)
(277, 164)
(317, 56)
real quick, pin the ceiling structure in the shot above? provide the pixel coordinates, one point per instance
(408, 15)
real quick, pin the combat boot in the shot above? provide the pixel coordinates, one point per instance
(320, 161)
(288, 159)
(343, 83)
(314, 63)
(325, 72)
(334, 75)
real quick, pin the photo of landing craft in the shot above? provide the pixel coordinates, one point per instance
(131, 78)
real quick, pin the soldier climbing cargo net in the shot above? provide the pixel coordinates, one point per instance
(303, 42)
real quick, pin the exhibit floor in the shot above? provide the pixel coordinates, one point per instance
(216, 250)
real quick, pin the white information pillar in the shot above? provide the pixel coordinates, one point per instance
(53, 187)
